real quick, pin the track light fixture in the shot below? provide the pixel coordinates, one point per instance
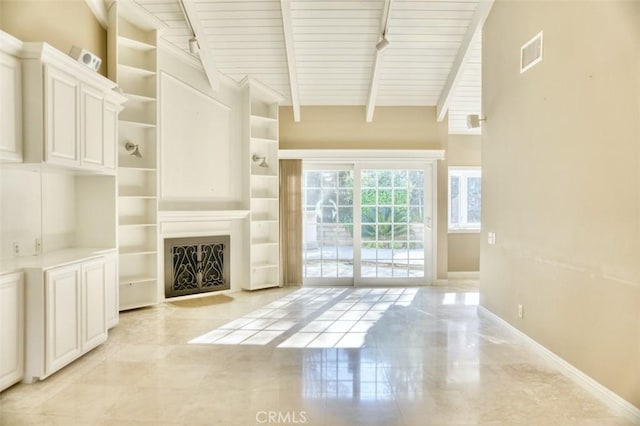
(194, 46)
(382, 44)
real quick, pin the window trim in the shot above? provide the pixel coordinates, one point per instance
(463, 172)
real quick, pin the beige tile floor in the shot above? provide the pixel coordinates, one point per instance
(309, 356)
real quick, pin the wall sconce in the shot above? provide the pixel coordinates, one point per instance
(133, 149)
(473, 121)
(263, 160)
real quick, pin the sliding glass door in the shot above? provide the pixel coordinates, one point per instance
(367, 225)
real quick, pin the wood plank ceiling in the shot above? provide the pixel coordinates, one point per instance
(334, 43)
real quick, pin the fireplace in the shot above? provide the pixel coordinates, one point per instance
(196, 265)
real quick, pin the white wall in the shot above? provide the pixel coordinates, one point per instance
(201, 159)
(561, 182)
(20, 210)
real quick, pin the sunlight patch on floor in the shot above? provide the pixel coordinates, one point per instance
(343, 325)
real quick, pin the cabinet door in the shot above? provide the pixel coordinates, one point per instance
(10, 108)
(62, 317)
(110, 135)
(61, 118)
(111, 278)
(92, 127)
(11, 329)
(94, 316)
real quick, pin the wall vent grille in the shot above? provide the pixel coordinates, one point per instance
(531, 53)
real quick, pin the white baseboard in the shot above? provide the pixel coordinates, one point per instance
(615, 402)
(464, 275)
(441, 282)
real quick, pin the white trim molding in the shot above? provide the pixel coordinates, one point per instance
(250, 81)
(193, 61)
(378, 62)
(9, 44)
(359, 155)
(463, 275)
(99, 10)
(612, 400)
(201, 215)
(186, 58)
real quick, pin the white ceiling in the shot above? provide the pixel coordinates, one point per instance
(334, 50)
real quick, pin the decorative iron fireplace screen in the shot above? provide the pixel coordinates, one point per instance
(196, 265)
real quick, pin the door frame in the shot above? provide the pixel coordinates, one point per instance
(382, 159)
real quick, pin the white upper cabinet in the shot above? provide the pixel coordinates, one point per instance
(110, 149)
(92, 134)
(61, 118)
(11, 99)
(73, 111)
(98, 129)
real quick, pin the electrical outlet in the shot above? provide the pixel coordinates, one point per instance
(38, 246)
(520, 311)
(16, 248)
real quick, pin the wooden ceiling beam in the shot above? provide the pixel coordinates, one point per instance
(462, 57)
(378, 62)
(205, 53)
(287, 27)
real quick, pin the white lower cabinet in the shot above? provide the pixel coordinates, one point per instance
(62, 317)
(112, 297)
(66, 314)
(11, 329)
(93, 304)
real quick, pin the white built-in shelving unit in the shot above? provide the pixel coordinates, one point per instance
(133, 65)
(261, 134)
(58, 228)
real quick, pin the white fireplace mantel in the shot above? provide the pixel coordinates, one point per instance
(201, 223)
(201, 215)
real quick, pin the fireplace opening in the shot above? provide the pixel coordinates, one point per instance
(196, 265)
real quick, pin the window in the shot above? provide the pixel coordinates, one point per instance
(464, 199)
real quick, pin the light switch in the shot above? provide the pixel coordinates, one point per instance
(491, 238)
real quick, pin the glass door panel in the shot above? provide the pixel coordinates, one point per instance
(392, 224)
(328, 224)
